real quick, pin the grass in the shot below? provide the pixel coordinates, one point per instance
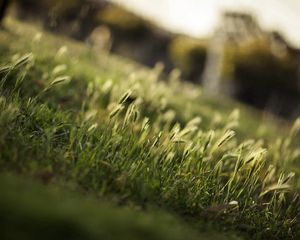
(62, 218)
(114, 132)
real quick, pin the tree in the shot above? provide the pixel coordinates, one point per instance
(3, 8)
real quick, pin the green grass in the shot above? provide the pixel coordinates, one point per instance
(114, 132)
(24, 216)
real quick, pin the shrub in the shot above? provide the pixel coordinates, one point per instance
(189, 55)
(119, 18)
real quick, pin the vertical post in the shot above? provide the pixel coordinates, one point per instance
(3, 8)
(212, 74)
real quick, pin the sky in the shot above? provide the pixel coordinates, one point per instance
(199, 18)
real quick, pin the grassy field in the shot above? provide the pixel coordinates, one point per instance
(95, 146)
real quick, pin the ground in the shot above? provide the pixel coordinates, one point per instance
(96, 146)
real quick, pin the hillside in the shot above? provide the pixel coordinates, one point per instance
(170, 160)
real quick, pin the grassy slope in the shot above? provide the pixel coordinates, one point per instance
(192, 171)
(70, 216)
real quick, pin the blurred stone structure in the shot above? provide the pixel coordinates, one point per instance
(253, 65)
(234, 29)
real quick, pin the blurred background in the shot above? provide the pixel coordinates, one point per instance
(247, 50)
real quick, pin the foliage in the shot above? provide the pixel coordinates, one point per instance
(189, 55)
(260, 71)
(119, 18)
(55, 7)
